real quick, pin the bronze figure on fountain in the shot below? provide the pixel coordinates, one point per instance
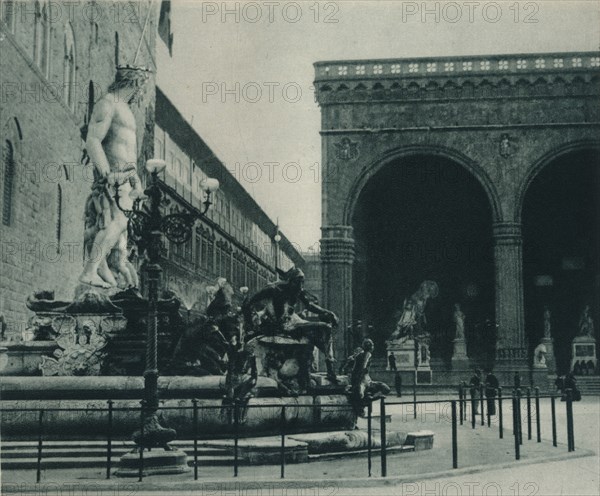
(273, 310)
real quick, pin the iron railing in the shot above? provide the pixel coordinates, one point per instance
(459, 410)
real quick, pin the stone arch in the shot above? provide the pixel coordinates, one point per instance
(69, 65)
(557, 207)
(545, 160)
(467, 163)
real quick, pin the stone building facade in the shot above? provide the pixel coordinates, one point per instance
(236, 239)
(56, 60)
(312, 271)
(504, 123)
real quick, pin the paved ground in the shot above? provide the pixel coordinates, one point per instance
(486, 465)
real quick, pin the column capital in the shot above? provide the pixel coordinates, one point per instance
(509, 233)
(337, 245)
(338, 231)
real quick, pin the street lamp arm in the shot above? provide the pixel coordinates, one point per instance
(176, 227)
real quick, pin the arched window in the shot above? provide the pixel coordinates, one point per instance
(59, 204)
(41, 35)
(116, 49)
(44, 62)
(37, 33)
(9, 14)
(8, 169)
(90, 102)
(69, 66)
(11, 153)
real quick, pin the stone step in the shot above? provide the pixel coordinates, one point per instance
(87, 462)
(589, 385)
(299, 448)
(362, 452)
(95, 453)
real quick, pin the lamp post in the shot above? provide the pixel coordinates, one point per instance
(148, 225)
(277, 239)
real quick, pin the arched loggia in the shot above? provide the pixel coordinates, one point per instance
(561, 248)
(425, 216)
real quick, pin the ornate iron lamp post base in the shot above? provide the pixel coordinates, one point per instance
(150, 224)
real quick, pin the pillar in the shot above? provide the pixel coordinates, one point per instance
(511, 349)
(337, 256)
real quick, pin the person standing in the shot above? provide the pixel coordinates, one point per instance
(398, 384)
(475, 384)
(517, 380)
(392, 361)
(571, 383)
(491, 387)
(559, 383)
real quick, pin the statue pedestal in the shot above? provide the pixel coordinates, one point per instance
(459, 356)
(92, 335)
(583, 355)
(404, 350)
(460, 349)
(157, 462)
(550, 360)
(539, 378)
(460, 360)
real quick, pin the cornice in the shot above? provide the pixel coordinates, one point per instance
(499, 76)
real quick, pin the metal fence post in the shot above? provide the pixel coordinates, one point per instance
(195, 405)
(383, 435)
(528, 414)
(464, 385)
(454, 437)
(283, 441)
(461, 393)
(538, 421)
(236, 437)
(369, 433)
(109, 439)
(553, 414)
(570, 436)
(38, 475)
(481, 403)
(415, 395)
(141, 448)
(519, 417)
(473, 407)
(500, 415)
(516, 414)
(489, 409)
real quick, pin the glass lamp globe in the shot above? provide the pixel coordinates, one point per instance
(210, 185)
(155, 165)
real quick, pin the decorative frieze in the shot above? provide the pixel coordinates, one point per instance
(457, 65)
(511, 76)
(346, 149)
(511, 354)
(507, 146)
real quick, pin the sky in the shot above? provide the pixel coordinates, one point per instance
(242, 73)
